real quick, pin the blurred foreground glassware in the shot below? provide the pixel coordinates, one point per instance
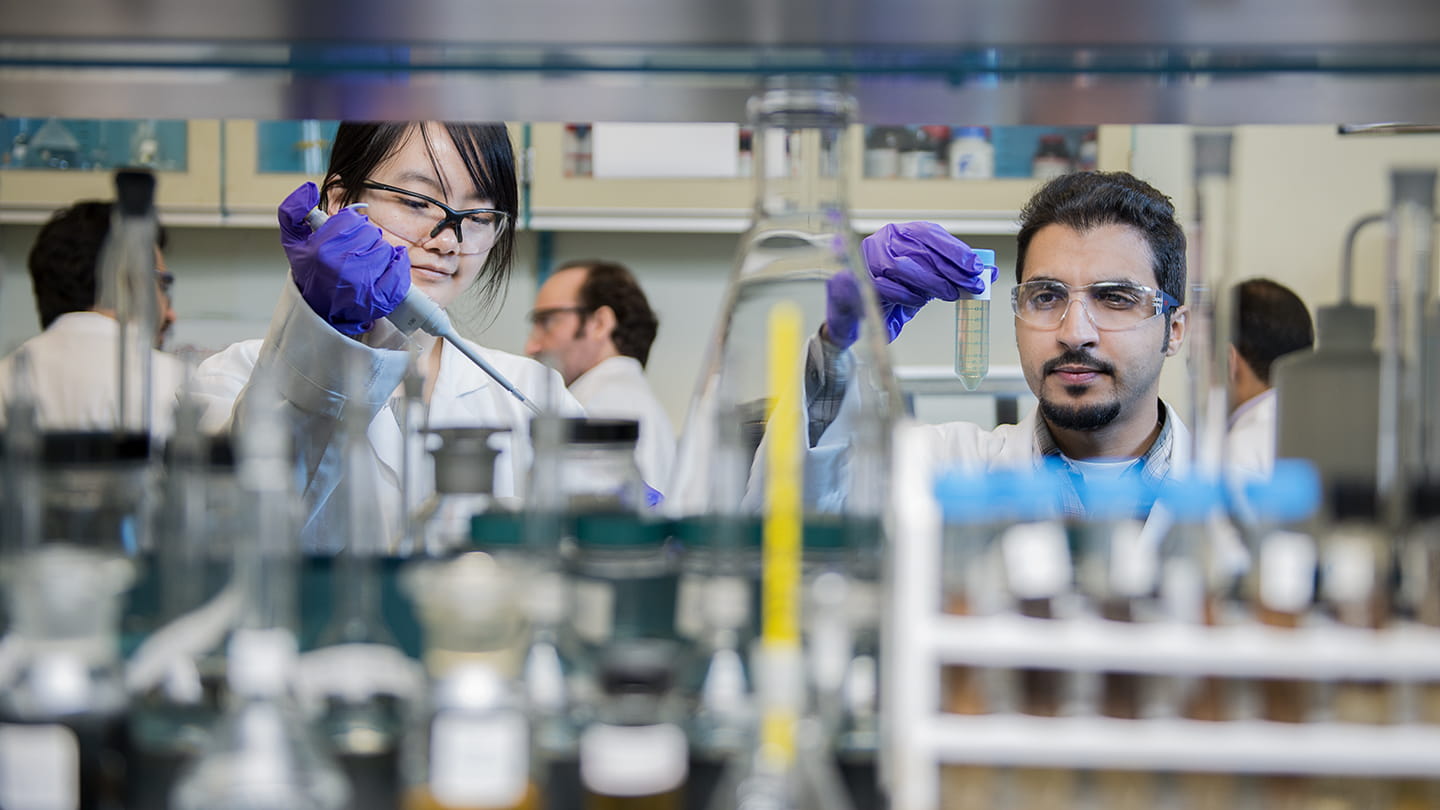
(62, 694)
(263, 755)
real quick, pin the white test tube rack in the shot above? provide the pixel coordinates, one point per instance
(920, 639)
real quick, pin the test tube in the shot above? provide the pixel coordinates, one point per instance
(972, 328)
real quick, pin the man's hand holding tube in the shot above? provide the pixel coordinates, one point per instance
(909, 264)
(346, 271)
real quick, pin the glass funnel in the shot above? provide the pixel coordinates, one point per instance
(799, 250)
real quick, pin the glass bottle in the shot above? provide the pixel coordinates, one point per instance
(799, 245)
(717, 612)
(597, 466)
(1196, 582)
(1116, 574)
(464, 483)
(262, 755)
(357, 676)
(634, 756)
(1281, 591)
(1420, 581)
(1036, 570)
(177, 676)
(1052, 157)
(623, 580)
(62, 693)
(473, 751)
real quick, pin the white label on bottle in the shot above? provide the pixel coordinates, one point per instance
(1287, 571)
(689, 606)
(1349, 569)
(633, 760)
(594, 610)
(1132, 560)
(479, 761)
(1037, 560)
(39, 767)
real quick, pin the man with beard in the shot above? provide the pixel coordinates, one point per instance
(1099, 305)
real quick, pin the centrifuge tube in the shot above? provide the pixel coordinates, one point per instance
(972, 329)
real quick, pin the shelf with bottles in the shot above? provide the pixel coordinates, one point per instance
(49, 163)
(894, 180)
(971, 179)
(1021, 643)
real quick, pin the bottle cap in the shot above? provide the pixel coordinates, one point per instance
(464, 460)
(1290, 494)
(496, 530)
(1191, 500)
(715, 531)
(1354, 500)
(982, 133)
(619, 529)
(582, 430)
(94, 447)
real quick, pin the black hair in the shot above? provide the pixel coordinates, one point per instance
(1270, 321)
(1083, 201)
(66, 254)
(611, 284)
(360, 147)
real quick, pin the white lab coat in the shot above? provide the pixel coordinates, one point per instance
(1013, 446)
(616, 388)
(1250, 441)
(74, 381)
(310, 359)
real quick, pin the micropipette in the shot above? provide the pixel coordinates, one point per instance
(417, 311)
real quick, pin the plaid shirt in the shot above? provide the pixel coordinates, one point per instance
(828, 370)
(1153, 467)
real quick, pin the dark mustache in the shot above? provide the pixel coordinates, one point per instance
(1078, 358)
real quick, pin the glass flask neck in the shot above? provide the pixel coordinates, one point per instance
(800, 152)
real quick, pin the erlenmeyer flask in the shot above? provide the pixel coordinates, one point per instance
(800, 249)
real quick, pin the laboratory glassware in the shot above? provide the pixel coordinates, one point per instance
(62, 693)
(263, 755)
(972, 327)
(177, 676)
(799, 245)
(1208, 296)
(968, 578)
(634, 755)
(1196, 580)
(474, 748)
(597, 465)
(1410, 359)
(357, 677)
(717, 612)
(624, 575)
(464, 486)
(127, 285)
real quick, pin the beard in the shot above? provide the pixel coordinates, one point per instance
(1079, 417)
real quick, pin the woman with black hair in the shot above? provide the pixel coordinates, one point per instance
(439, 208)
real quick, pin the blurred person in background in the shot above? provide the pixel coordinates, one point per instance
(1270, 322)
(593, 323)
(71, 366)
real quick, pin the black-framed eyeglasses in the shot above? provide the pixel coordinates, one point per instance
(417, 218)
(165, 280)
(540, 318)
(1113, 306)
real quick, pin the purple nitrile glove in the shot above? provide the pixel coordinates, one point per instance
(653, 497)
(913, 262)
(842, 309)
(346, 271)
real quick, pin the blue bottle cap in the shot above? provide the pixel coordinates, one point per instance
(1191, 500)
(972, 132)
(1290, 494)
(1114, 498)
(965, 496)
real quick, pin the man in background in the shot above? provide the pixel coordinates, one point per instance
(70, 368)
(593, 323)
(1270, 321)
